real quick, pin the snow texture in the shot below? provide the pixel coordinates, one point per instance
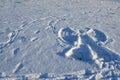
(59, 39)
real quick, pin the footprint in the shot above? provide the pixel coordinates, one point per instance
(16, 51)
(33, 39)
(37, 32)
(85, 47)
(18, 67)
(22, 39)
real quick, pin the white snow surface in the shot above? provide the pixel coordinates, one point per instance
(59, 39)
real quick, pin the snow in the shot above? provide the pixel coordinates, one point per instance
(59, 39)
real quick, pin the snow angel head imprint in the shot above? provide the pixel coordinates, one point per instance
(68, 35)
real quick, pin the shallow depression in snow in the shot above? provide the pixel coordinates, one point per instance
(89, 46)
